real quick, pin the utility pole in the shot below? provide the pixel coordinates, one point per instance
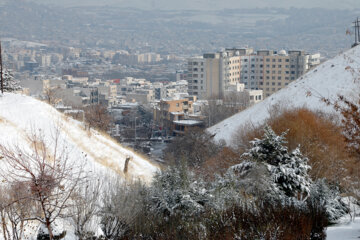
(1, 71)
(357, 32)
(135, 133)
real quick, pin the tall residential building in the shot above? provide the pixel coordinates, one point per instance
(214, 73)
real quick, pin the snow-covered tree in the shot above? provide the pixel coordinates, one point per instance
(288, 171)
(177, 191)
(10, 84)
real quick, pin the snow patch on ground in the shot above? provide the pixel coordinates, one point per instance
(344, 231)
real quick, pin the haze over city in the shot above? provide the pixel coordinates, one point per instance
(179, 119)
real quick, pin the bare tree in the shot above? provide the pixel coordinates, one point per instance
(86, 207)
(51, 95)
(16, 208)
(122, 205)
(97, 117)
(47, 172)
(219, 109)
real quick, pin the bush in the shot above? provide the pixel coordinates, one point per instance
(318, 135)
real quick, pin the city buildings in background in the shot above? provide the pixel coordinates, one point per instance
(214, 74)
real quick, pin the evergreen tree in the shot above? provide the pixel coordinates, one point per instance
(288, 171)
(10, 84)
(177, 191)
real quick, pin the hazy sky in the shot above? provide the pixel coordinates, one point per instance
(211, 4)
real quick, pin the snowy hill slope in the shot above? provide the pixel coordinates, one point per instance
(22, 115)
(340, 75)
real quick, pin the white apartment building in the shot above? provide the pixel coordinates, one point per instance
(214, 73)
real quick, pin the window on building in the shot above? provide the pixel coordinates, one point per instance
(279, 83)
(273, 84)
(279, 66)
(279, 78)
(279, 60)
(267, 83)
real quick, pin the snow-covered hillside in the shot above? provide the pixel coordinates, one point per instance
(22, 115)
(339, 75)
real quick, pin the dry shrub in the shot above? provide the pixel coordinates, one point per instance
(319, 136)
(219, 163)
(269, 220)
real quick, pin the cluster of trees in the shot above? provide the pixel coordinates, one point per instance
(268, 195)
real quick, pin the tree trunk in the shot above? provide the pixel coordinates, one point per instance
(48, 226)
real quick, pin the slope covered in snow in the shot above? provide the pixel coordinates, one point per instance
(339, 75)
(21, 116)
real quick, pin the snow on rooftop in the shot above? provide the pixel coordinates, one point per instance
(328, 80)
(188, 122)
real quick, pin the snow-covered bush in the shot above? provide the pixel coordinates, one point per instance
(288, 172)
(329, 197)
(177, 191)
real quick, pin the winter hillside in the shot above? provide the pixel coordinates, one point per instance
(336, 76)
(21, 116)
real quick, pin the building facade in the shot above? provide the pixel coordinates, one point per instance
(214, 73)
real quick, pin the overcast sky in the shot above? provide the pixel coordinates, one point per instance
(212, 4)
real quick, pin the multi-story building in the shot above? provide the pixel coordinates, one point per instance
(214, 73)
